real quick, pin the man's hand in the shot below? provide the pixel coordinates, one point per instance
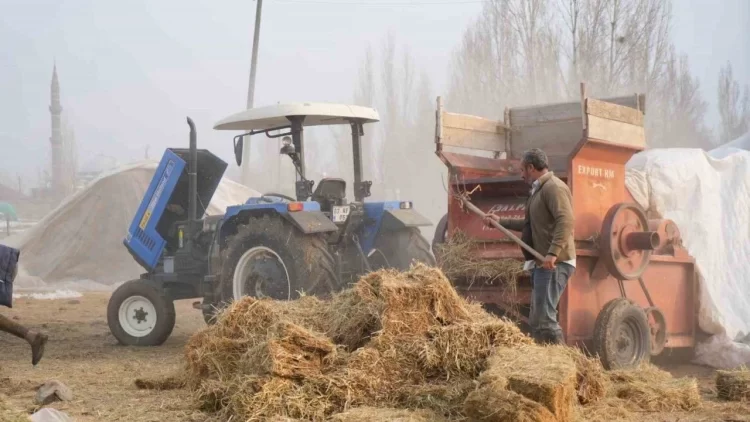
(549, 262)
(489, 218)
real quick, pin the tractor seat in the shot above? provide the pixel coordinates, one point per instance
(330, 191)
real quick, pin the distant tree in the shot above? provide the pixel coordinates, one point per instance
(524, 52)
(677, 111)
(509, 56)
(734, 106)
(401, 146)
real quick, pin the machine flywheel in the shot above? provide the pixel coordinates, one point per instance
(626, 242)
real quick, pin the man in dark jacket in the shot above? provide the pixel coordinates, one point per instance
(8, 273)
(548, 228)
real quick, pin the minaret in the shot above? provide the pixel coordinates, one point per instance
(55, 109)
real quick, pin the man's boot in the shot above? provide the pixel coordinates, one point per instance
(547, 337)
(558, 338)
(37, 341)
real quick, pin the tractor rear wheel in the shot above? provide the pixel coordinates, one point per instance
(441, 234)
(139, 314)
(622, 335)
(400, 249)
(268, 257)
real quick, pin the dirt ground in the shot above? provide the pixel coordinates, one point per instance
(82, 354)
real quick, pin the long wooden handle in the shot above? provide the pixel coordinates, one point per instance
(471, 207)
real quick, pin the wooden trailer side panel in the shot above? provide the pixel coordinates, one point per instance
(557, 128)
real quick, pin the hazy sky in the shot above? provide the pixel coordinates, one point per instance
(131, 71)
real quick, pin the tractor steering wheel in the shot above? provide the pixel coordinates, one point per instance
(276, 195)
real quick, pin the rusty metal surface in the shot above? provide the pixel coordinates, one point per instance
(471, 166)
(506, 204)
(481, 214)
(671, 284)
(624, 232)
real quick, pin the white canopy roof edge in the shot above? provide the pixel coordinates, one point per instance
(316, 114)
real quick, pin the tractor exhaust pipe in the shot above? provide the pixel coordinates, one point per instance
(192, 182)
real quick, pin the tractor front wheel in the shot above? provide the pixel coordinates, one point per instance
(268, 257)
(139, 314)
(400, 249)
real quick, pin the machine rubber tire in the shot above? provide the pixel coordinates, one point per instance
(440, 234)
(607, 330)
(140, 293)
(309, 265)
(399, 249)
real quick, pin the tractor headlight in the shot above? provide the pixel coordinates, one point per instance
(286, 141)
(406, 205)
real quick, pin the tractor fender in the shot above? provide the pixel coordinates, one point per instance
(400, 219)
(310, 222)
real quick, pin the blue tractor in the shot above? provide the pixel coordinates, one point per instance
(271, 246)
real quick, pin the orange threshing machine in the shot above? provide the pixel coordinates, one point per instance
(633, 293)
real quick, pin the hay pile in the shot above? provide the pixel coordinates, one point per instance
(458, 259)
(733, 385)
(395, 347)
(655, 390)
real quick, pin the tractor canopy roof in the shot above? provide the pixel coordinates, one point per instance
(316, 114)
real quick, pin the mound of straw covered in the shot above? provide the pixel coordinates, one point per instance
(398, 346)
(458, 259)
(733, 385)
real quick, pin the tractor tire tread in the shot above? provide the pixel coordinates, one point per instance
(439, 237)
(404, 247)
(308, 248)
(417, 241)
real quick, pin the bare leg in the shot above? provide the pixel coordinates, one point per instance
(37, 341)
(12, 327)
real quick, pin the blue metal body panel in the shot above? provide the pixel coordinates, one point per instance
(142, 240)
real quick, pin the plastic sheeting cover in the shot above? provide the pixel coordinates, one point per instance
(707, 194)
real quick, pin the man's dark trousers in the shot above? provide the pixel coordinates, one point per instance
(548, 286)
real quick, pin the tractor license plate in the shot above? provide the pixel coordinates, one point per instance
(340, 214)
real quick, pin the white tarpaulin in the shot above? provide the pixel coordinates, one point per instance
(707, 194)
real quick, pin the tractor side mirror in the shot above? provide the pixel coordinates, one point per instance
(238, 141)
